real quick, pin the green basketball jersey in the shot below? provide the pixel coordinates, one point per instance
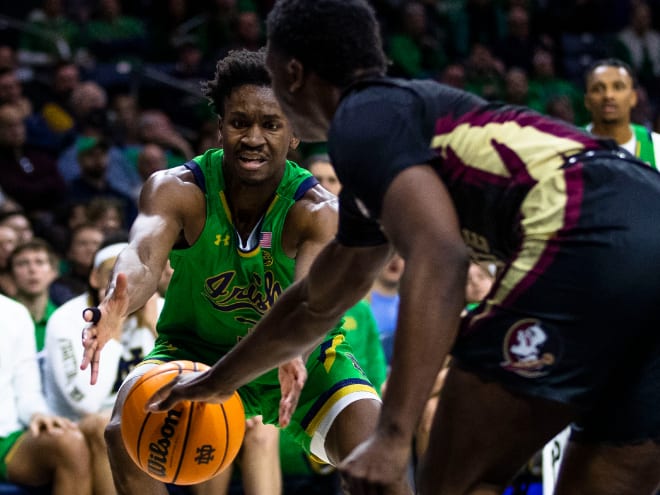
(218, 292)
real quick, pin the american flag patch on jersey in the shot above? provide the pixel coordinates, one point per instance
(266, 240)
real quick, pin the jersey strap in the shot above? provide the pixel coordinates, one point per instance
(193, 166)
(305, 186)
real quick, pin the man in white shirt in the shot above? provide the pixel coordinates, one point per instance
(68, 389)
(36, 447)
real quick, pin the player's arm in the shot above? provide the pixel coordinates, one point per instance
(170, 205)
(426, 234)
(298, 321)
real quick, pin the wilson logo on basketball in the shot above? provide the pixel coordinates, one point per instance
(159, 450)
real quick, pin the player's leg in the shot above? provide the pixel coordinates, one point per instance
(61, 459)
(609, 469)
(128, 478)
(218, 485)
(93, 427)
(260, 459)
(482, 434)
(339, 407)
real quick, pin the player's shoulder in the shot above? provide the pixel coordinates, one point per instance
(316, 200)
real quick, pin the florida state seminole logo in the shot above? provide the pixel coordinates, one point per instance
(526, 349)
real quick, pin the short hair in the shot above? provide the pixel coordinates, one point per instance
(34, 244)
(610, 62)
(333, 38)
(238, 68)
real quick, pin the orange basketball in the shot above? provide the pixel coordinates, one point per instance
(190, 443)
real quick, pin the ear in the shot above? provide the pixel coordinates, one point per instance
(633, 98)
(295, 73)
(293, 144)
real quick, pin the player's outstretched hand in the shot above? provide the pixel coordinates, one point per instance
(292, 376)
(196, 386)
(104, 323)
(378, 465)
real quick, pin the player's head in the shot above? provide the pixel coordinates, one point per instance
(333, 38)
(256, 134)
(610, 91)
(318, 45)
(238, 68)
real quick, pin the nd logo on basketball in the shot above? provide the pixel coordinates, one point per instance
(527, 349)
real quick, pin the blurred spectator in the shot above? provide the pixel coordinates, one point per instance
(516, 48)
(384, 300)
(560, 107)
(516, 87)
(151, 159)
(38, 449)
(111, 36)
(29, 175)
(107, 214)
(89, 101)
(484, 73)
(19, 221)
(641, 46)
(414, 52)
(125, 113)
(93, 182)
(33, 265)
(156, 127)
(453, 75)
(51, 37)
(11, 92)
(73, 280)
(546, 88)
(8, 241)
(166, 26)
(246, 32)
(57, 107)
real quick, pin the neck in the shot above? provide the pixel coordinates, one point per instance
(385, 289)
(620, 132)
(35, 304)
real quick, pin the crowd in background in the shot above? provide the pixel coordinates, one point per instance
(96, 95)
(104, 92)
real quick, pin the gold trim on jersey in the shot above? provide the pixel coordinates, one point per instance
(333, 399)
(540, 151)
(543, 214)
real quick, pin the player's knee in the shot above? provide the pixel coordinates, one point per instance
(93, 428)
(71, 448)
(262, 437)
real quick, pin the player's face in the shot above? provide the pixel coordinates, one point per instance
(301, 106)
(256, 135)
(610, 95)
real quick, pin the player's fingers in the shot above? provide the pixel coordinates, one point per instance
(92, 315)
(164, 399)
(95, 367)
(90, 349)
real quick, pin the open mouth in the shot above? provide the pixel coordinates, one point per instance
(251, 162)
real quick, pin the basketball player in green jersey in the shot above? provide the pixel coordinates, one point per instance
(239, 225)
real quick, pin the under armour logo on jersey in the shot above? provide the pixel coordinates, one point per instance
(220, 239)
